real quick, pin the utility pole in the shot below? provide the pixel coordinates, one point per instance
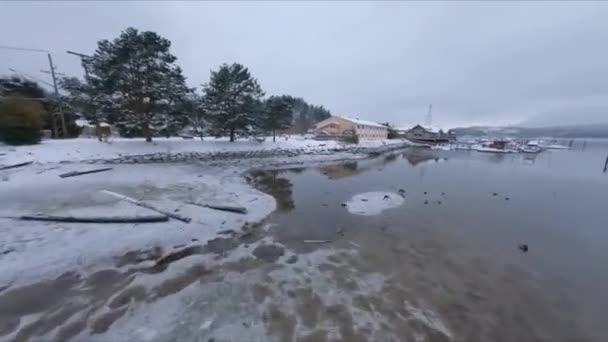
(63, 126)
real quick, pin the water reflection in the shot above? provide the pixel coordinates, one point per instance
(340, 170)
(417, 156)
(547, 200)
(353, 168)
(280, 188)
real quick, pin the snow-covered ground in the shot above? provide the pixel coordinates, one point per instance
(81, 149)
(42, 249)
(33, 253)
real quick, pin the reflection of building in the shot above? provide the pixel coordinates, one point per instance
(418, 156)
(428, 135)
(340, 126)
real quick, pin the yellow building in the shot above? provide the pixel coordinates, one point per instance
(339, 126)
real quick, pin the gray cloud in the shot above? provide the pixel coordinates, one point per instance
(478, 63)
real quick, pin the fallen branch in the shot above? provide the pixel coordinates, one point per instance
(147, 206)
(239, 210)
(15, 165)
(79, 173)
(317, 241)
(94, 219)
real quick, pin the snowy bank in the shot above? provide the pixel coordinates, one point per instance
(33, 250)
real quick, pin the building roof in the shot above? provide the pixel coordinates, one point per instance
(362, 122)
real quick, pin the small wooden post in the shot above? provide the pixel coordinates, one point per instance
(606, 164)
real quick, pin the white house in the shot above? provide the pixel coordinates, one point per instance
(340, 126)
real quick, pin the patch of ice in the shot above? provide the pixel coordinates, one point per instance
(373, 203)
(207, 324)
(427, 317)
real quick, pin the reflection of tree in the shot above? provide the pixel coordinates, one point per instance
(279, 187)
(340, 170)
(296, 170)
(390, 158)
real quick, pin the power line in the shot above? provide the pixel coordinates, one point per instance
(4, 47)
(30, 76)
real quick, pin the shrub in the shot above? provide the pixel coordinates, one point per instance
(351, 138)
(392, 134)
(20, 121)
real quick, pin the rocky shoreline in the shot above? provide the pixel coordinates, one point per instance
(168, 157)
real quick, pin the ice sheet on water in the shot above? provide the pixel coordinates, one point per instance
(373, 203)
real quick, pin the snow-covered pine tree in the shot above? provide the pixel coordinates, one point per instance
(193, 108)
(278, 114)
(139, 76)
(231, 99)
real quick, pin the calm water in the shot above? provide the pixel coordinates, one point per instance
(557, 205)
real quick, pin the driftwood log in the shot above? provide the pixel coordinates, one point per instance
(79, 173)
(239, 210)
(15, 165)
(148, 206)
(95, 219)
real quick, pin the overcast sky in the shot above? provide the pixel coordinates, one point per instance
(476, 62)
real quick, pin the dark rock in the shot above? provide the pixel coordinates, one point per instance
(438, 202)
(8, 250)
(268, 253)
(494, 194)
(292, 259)
(507, 198)
(523, 248)
(425, 192)
(364, 200)
(386, 197)
(426, 202)
(343, 204)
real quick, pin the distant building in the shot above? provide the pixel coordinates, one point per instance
(88, 129)
(341, 126)
(427, 135)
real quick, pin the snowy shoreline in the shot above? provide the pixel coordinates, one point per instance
(32, 251)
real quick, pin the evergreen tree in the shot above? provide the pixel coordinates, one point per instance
(231, 99)
(138, 75)
(195, 112)
(306, 115)
(278, 114)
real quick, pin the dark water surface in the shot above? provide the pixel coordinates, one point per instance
(479, 208)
